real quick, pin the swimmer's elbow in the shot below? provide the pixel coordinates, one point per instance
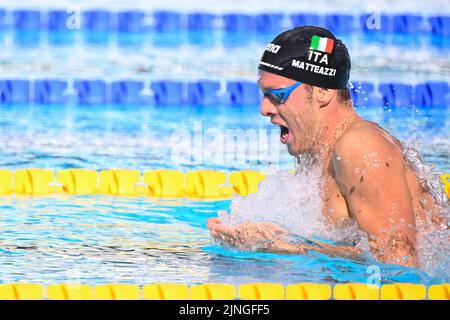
(283, 247)
(331, 250)
(403, 258)
(399, 249)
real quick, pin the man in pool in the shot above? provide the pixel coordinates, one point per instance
(303, 75)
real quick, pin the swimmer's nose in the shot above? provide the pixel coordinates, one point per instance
(268, 109)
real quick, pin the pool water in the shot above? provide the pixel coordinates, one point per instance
(104, 239)
(143, 137)
(98, 239)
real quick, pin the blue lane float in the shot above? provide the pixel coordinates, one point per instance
(204, 92)
(134, 21)
(49, 91)
(362, 93)
(340, 23)
(243, 92)
(408, 24)
(396, 94)
(131, 21)
(440, 25)
(96, 20)
(305, 19)
(91, 91)
(57, 20)
(239, 22)
(269, 23)
(126, 92)
(167, 21)
(168, 92)
(27, 20)
(2, 19)
(369, 25)
(200, 21)
(432, 93)
(14, 91)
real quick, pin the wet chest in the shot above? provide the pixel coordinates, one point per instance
(335, 207)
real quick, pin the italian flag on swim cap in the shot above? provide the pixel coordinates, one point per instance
(321, 44)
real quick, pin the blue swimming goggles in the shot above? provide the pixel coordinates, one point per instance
(281, 95)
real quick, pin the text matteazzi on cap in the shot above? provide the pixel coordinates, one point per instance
(308, 54)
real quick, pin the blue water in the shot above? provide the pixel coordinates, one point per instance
(103, 239)
(210, 56)
(99, 239)
(144, 137)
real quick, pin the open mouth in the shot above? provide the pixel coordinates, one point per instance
(284, 133)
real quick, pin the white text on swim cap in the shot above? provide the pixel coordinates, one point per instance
(313, 68)
(273, 48)
(314, 55)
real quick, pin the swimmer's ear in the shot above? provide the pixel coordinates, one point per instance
(323, 96)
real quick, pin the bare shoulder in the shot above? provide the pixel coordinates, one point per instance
(366, 148)
(366, 140)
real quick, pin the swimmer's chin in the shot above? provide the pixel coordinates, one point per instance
(295, 151)
(294, 148)
(292, 152)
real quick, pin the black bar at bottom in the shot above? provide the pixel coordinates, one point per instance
(234, 309)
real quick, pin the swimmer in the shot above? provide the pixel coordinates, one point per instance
(366, 177)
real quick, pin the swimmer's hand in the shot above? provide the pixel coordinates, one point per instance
(269, 237)
(260, 236)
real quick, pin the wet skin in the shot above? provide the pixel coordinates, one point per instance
(365, 176)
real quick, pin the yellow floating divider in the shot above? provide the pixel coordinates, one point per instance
(116, 291)
(165, 183)
(245, 182)
(207, 184)
(221, 291)
(308, 291)
(158, 183)
(69, 291)
(403, 291)
(33, 181)
(5, 182)
(439, 292)
(261, 291)
(165, 291)
(78, 181)
(445, 178)
(213, 291)
(21, 291)
(119, 181)
(356, 291)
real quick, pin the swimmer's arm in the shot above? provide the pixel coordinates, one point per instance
(287, 247)
(371, 175)
(270, 237)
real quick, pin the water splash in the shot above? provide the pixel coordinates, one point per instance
(427, 177)
(433, 244)
(293, 200)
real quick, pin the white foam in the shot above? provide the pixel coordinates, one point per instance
(294, 202)
(432, 246)
(290, 200)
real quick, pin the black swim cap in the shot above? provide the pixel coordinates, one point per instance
(308, 54)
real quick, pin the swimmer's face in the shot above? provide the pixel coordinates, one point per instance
(297, 119)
